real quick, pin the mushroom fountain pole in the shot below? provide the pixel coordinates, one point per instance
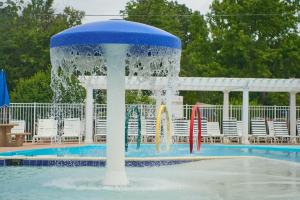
(115, 162)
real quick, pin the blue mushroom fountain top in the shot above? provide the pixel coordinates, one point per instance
(115, 32)
(82, 51)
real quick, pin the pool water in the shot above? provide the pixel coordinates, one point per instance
(290, 153)
(232, 179)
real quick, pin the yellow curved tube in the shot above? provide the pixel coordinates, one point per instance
(162, 109)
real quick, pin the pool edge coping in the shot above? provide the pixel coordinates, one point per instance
(198, 158)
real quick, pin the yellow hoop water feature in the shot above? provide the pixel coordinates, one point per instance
(162, 109)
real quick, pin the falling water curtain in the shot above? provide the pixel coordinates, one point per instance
(4, 99)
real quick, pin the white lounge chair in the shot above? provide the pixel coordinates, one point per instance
(297, 137)
(100, 131)
(271, 137)
(20, 126)
(213, 130)
(205, 136)
(72, 130)
(143, 131)
(181, 130)
(239, 127)
(258, 130)
(18, 132)
(150, 130)
(133, 130)
(46, 130)
(298, 127)
(281, 130)
(231, 132)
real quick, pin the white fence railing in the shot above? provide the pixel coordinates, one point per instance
(31, 112)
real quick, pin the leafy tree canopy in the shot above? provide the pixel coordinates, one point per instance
(25, 31)
(33, 89)
(236, 38)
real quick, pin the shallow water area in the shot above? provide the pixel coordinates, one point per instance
(239, 178)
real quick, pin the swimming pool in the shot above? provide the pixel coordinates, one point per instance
(289, 153)
(232, 179)
(256, 177)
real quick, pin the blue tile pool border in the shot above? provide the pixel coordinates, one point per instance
(82, 162)
(86, 163)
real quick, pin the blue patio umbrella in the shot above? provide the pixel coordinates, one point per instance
(4, 96)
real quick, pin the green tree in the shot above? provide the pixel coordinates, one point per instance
(25, 31)
(198, 58)
(237, 38)
(37, 89)
(34, 89)
(256, 38)
(138, 97)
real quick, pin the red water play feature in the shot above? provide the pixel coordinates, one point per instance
(195, 110)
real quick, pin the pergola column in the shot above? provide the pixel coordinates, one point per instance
(89, 111)
(293, 115)
(245, 117)
(225, 105)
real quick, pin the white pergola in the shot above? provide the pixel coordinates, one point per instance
(225, 85)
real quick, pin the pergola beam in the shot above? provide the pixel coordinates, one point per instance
(203, 84)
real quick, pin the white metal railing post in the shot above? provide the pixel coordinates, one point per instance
(245, 116)
(275, 112)
(293, 114)
(34, 118)
(230, 111)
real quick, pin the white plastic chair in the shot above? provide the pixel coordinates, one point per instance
(232, 130)
(150, 130)
(181, 130)
(296, 139)
(281, 130)
(100, 131)
(46, 129)
(258, 130)
(213, 130)
(271, 137)
(143, 131)
(17, 133)
(204, 134)
(72, 129)
(298, 127)
(19, 128)
(132, 130)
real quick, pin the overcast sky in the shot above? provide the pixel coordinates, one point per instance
(110, 7)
